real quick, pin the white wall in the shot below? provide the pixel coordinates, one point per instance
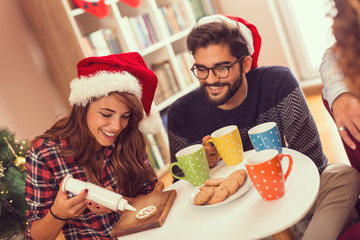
(261, 13)
(29, 101)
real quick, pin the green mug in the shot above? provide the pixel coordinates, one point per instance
(193, 162)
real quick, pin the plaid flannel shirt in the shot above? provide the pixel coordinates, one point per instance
(332, 76)
(46, 168)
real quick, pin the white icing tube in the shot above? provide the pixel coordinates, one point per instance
(100, 195)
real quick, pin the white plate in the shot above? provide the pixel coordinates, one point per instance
(241, 191)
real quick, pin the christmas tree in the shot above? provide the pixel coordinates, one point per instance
(12, 184)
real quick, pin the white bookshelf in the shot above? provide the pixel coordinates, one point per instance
(61, 30)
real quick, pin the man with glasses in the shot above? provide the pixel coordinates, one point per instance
(234, 91)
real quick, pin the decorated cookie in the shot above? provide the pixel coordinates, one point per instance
(146, 212)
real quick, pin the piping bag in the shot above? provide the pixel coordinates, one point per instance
(100, 195)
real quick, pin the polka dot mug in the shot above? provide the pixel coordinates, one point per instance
(193, 162)
(228, 144)
(265, 136)
(266, 173)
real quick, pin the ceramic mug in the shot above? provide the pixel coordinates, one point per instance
(193, 162)
(265, 136)
(266, 173)
(227, 141)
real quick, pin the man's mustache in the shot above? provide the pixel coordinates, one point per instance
(217, 84)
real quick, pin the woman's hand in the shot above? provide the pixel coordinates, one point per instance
(65, 207)
(211, 152)
(97, 208)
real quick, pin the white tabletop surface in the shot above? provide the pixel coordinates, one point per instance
(248, 217)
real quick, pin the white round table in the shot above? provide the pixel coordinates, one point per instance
(247, 217)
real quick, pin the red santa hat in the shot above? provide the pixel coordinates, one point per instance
(125, 72)
(248, 31)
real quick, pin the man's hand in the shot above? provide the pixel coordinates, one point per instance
(211, 152)
(346, 112)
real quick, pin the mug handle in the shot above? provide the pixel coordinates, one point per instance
(211, 143)
(281, 156)
(175, 176)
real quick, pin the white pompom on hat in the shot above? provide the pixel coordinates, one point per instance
(125, 72)
(248, 31)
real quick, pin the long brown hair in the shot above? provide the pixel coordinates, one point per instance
(346, 30)
(127, 157)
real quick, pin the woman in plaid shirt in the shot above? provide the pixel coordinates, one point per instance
(100, 141)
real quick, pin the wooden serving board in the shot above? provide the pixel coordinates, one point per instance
(128, 223)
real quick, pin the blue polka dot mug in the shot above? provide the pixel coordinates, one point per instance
(265, 136)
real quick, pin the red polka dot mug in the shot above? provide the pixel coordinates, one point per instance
(266, 173)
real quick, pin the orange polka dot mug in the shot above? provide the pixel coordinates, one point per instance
(193, 163)
(266, 173)
(227, 141)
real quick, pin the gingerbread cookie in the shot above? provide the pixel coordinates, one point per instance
(146, 212)
(220, 194)
(239, 175)
(204, 186)
(203, 196)
(214, 181)
(216, 190)
(231, 184)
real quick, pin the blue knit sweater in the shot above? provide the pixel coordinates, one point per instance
(273, 95)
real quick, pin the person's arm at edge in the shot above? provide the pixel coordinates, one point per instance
(344, 105)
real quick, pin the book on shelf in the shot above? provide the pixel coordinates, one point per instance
(98, 43)
(155, 152)
(174, 16)
(167, 82)
(199, 10)
(159, 93)
(163, 147)
(102, 42)
(169, 73)
(166, 17)
(112, 41)
(150, 28)
(186, 62)
(173, 23)
(142, 26)
(151, 157)
(163, 90)
(183, 14)
(87, 45)
(179, 16)
(132, 42)
(209, 7)
(143, 30)
(138, 33)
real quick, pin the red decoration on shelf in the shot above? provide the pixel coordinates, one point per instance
(97, 8)
(132, 3)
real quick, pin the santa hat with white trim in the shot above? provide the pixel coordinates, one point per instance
(248, 31)
(125, 72)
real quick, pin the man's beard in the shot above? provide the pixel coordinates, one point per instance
(232, 89)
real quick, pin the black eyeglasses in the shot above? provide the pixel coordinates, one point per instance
(202, 73)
